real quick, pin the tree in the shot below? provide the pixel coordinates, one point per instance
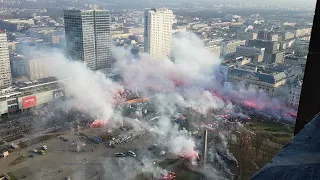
(257, 141)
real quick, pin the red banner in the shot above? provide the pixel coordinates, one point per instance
(29, 101)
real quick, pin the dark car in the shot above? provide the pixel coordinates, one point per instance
(120, 154)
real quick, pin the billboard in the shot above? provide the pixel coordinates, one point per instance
(58, 94)
(29, 101)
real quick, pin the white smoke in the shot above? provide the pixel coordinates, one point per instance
(194, 68)
(89, 90)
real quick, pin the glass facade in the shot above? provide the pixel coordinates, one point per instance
(88, 37)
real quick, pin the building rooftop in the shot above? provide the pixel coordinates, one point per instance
(299, 159)
(268, 78)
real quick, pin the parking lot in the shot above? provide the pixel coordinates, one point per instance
(78, 158)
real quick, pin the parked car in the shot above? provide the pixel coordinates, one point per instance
(131, 153)
(120, 154)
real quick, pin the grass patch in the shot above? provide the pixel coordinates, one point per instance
(18, 160)
(187, 175)
(270, 126)
(281, 138)
(12, 177)
(167, 162)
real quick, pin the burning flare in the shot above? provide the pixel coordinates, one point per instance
(98, 123)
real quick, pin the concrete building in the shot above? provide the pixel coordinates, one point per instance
(268, 82)
(215, 49)
(158, 33)
(230, 47)
(272, 37)
(88, 37)
(26, 95)
(262, 35)
(247, 36)
(37, 69)
(5, 70)
(287, 35)
(293, 60)
(278, 57)
(294, 94)
(18, 65)
(256, 54)
(271, 47)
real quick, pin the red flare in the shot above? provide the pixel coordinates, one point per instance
(98, 123)
(169, 176)
(190, 155)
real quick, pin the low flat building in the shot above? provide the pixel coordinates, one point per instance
(30, 94)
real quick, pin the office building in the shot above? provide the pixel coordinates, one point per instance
(88, 37)
(272, 37)
(257, 79)
(294, 94)
(158, 32)
(256, 54)
(246, 35)
(5, 70)
(37, 69)
(262, 35)
(230, 47)
(215, 49)
(278, 57)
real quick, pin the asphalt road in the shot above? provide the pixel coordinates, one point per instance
(86, 164)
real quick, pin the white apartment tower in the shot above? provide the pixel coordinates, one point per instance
(158, 32)
(5, 71)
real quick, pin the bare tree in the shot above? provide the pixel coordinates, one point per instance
(257, 141)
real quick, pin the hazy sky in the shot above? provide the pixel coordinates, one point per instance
(239, 1)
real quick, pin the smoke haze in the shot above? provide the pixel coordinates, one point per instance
(185, 83)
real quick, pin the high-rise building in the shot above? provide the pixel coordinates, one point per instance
(37, 69)
(88, 37)
(5, 70)
(158, 32)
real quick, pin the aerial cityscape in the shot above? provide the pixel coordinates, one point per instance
(148, 90)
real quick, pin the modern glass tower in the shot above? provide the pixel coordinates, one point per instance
(88, 37)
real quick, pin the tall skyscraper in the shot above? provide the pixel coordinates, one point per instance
(158, 32)
(5, 71)
(88, 37)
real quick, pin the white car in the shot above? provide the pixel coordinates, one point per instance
(131, 153)
(162, 153)
(34, 150)
(44, 147)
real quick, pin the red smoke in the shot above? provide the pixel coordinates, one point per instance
(169, 176)
(252, 104)
(98, 123)
(190, 155)
(177, 83)
(214, 93)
